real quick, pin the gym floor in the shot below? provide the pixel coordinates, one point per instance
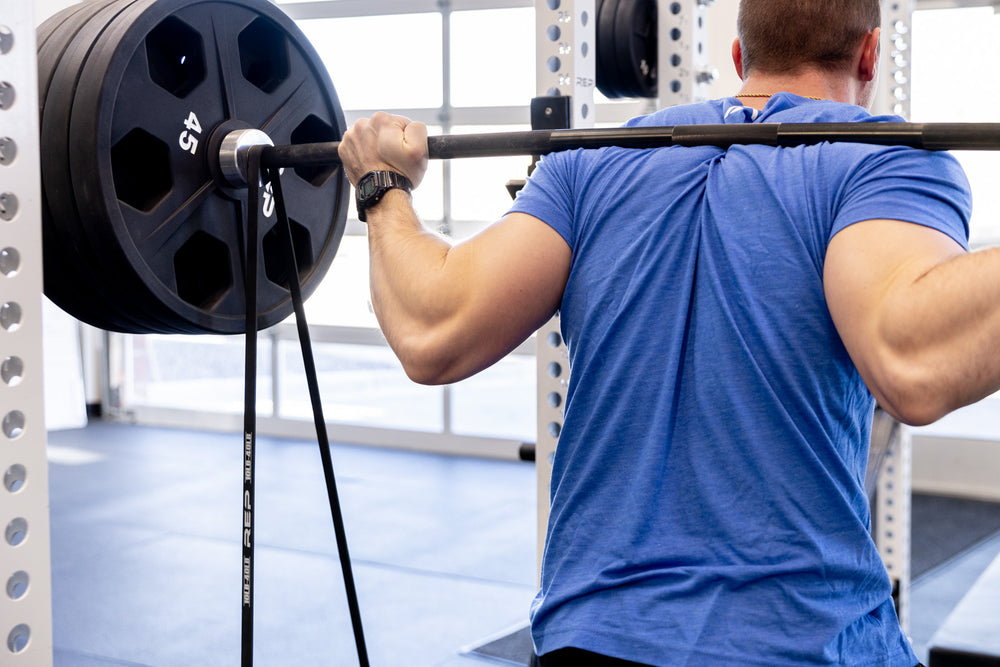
(146, 560)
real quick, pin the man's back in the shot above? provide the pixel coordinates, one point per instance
(723, 518)
(706, 502)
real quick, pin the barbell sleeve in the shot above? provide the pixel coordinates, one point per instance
(929, 136)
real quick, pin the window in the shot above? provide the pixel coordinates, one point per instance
(478, 192)
(492, 57)
(949, 46)
(373, 59)
(950, 89)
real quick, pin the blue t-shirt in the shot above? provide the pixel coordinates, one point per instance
(707, 498)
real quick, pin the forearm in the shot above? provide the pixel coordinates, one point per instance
(413, 291)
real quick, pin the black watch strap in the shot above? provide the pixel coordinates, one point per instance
(373, 186)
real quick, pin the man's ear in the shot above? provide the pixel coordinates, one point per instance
(870, 51)
(738, 58)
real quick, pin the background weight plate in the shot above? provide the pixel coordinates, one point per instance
(604, 43)
(626, 46)
(636, 47)
(179, 71)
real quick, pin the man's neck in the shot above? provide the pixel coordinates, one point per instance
(757, 88)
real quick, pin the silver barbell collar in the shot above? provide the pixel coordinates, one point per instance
(234, 154)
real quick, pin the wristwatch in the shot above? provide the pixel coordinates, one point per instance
(373, 186)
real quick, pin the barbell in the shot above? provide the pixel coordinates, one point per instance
(148, 109)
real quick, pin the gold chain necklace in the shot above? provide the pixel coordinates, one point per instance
(773, 94)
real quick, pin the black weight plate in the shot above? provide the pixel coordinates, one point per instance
(122, 287)
(80, 282)
(604, 45)
(75, 275)
(172, 71)
(61, 29)
(63, 283)
(102, 302)
(636, 47)
(58, 20)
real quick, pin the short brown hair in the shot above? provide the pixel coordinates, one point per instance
(779, 36)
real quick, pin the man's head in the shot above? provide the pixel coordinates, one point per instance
(784, 36)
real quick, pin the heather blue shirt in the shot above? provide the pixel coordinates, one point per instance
(707, 499)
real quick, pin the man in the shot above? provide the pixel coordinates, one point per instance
(729, 316)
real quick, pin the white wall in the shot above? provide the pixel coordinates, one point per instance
(722, 30)
(46, 8)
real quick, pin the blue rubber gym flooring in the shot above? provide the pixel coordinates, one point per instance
(146, 559)
(146, 554)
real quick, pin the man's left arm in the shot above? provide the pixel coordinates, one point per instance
(918, 314)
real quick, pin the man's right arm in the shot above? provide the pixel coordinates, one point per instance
(449, 311)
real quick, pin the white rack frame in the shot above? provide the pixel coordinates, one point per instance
(25, 570)
(575, 51)
(892, 497)
(684, 71)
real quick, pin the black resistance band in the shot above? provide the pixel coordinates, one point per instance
(249, 437)
(251, 243)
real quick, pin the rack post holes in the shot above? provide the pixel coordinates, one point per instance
(893, 497)
(25, 573)
(565, 34)
(893, 94)
(566, 56)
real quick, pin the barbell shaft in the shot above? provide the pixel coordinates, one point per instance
(929, 136)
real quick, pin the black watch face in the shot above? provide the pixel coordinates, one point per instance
(366, 188)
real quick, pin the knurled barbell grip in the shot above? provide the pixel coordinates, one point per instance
(961, 136)
(489, 144)
(300, 155)
(930, 136)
